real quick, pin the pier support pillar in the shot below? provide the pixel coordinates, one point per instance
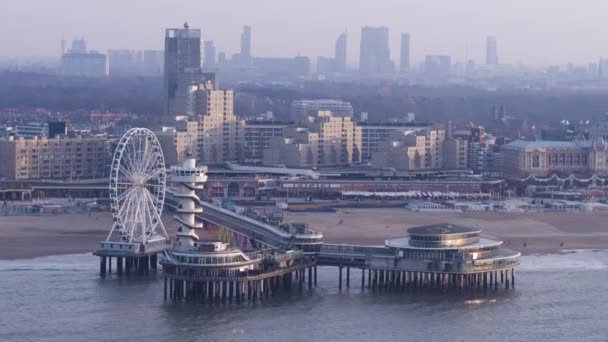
(340, 277)
(309, 277)
(315, 275)
(347, 276)
(513, 277)
(119, 265)
(102, 265)
(362, 278)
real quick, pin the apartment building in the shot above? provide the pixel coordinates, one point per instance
(59, 157)
(259, 136)
(327, 141)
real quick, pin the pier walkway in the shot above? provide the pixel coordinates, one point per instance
(256, 230)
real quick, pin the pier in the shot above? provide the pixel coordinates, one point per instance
(250, 259)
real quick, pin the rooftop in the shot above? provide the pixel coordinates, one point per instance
(549, 144)
(441, 228)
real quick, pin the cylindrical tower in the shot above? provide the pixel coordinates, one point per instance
(191, 178)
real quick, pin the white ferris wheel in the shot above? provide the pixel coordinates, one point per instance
(137, 188)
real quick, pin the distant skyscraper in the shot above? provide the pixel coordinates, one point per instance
(437, 65)
(404, 66)
(79, 45)
(182, 63)
(245, 54)
(374, 55)
(491, 51)
(153, 62)
(209, 54)
(341, 53)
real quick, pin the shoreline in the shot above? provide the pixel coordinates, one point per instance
(28, 237)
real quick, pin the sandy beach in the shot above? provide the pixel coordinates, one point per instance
(28, 237)
(541, 232)
(36, 236)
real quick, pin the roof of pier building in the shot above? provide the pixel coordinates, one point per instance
(442, 229)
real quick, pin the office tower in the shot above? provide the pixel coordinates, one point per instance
(84, 64)
(125, 62)
(79, 45)
(374, 52)
(340, 63)
(437, 65)
(491, 51)
(326, 65)
(404, 66)
(245, 54)
(153, 62)
(209, 60)
(182, 63)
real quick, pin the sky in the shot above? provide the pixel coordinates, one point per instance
(535, 32)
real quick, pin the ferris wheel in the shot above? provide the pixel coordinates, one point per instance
(137, 188)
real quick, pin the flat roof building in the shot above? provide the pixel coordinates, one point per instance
(522, 158)
(59, 157)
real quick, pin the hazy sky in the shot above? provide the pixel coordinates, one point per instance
(531, 31)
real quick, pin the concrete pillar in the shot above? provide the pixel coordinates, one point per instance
(315, 275)
(119, 265)
(102, 265)
(165, 288)
(513, 277)
(310, 277)
(340, 277)
(109, 264)
(362, 278)
(347, 276)
(507, 278)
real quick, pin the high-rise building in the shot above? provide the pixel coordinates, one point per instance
(491, 51)
(125, 62)
(404, 65)
(209, 60)
(374, 58)
(437, 65)
(182, 63)
(84, 64)
(326, 141)
(340, 63)
(245, 54)
(79, 45)
(214, 132)
(153, 62)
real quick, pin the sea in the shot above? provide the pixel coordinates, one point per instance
(560, 297)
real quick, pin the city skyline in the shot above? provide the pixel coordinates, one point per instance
(462, 35)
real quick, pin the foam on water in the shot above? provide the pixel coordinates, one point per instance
(570, 260)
